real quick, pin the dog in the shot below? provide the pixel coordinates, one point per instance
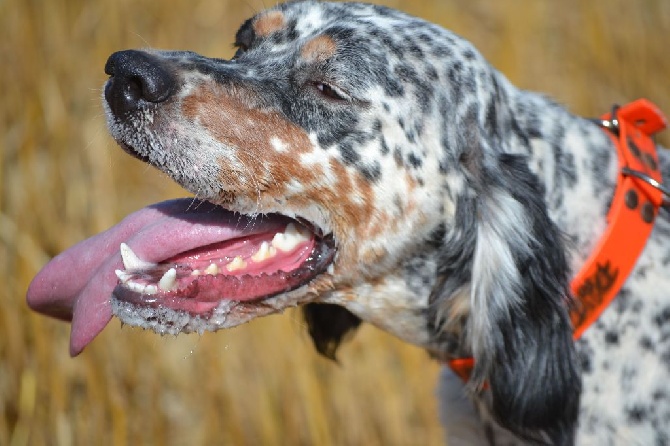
(372, 167)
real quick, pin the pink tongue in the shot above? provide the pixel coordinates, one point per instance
(77, 284)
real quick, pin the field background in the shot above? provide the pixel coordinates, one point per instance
(63, 179)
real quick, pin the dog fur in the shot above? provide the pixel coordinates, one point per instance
(460, 207)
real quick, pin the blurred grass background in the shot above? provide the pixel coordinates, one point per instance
(62, 179)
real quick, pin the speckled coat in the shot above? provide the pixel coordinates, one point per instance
(459, 205)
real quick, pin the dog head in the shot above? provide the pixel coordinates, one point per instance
(350, 158)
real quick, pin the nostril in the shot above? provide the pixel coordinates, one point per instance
(135, 88)
(136, 78)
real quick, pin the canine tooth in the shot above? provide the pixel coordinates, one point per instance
(151, 289)
(212, 269)
(168, 280)
(131, 261)
(237, 263)
(123, 276)
(195, 272)
(264, 252)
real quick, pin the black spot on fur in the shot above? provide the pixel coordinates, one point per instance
(415, 50)
(393, 88)
(328, 325)
(349, 154)
(414, 161)
(612, 338)
(662, 318)
(641, 272)
(660, 395)
(441, 51)
(291, 31)
(585, 361)
(534, 126)
(377, 127)
(469, 54)
(646, 343)
(431, 72)
(384, 147)
(371, 172)
(636, 414)
(520, 134)
(492, 118)
(410, 135)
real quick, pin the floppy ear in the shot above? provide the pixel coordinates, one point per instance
(506, 255)
(328, 325)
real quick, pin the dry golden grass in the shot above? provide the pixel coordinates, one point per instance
(62, 179)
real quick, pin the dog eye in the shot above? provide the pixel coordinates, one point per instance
(331, 92)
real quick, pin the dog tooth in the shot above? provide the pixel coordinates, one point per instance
(283, 242)
(169, 280)
(137, 287)
(212, 269)
(195, 272)
(151, 289)
(123, 276)
(131, 261)
(236, 264)
(298, 231)
(264, 252)
(290, 238)
(290, 229)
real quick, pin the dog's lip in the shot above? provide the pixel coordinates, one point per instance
(77, 284)
(130, 150)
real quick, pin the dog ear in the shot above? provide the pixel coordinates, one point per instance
(506, 256)
(520, 330)
(328, 325)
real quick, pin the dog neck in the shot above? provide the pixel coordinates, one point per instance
(575, 161)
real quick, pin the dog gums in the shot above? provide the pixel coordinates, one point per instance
(62, 179)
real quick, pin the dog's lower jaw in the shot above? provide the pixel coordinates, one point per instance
(226, 314)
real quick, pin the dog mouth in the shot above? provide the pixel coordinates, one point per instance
(185, 265)
(252, 260)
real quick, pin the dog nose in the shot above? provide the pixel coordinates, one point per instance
(136, 78)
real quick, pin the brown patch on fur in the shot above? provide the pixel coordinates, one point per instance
(231, 121)
(319, 49)
(269, 23)
(381, 223)
(373, 255)
(346, 196)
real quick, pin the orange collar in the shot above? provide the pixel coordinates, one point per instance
(637, 200)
